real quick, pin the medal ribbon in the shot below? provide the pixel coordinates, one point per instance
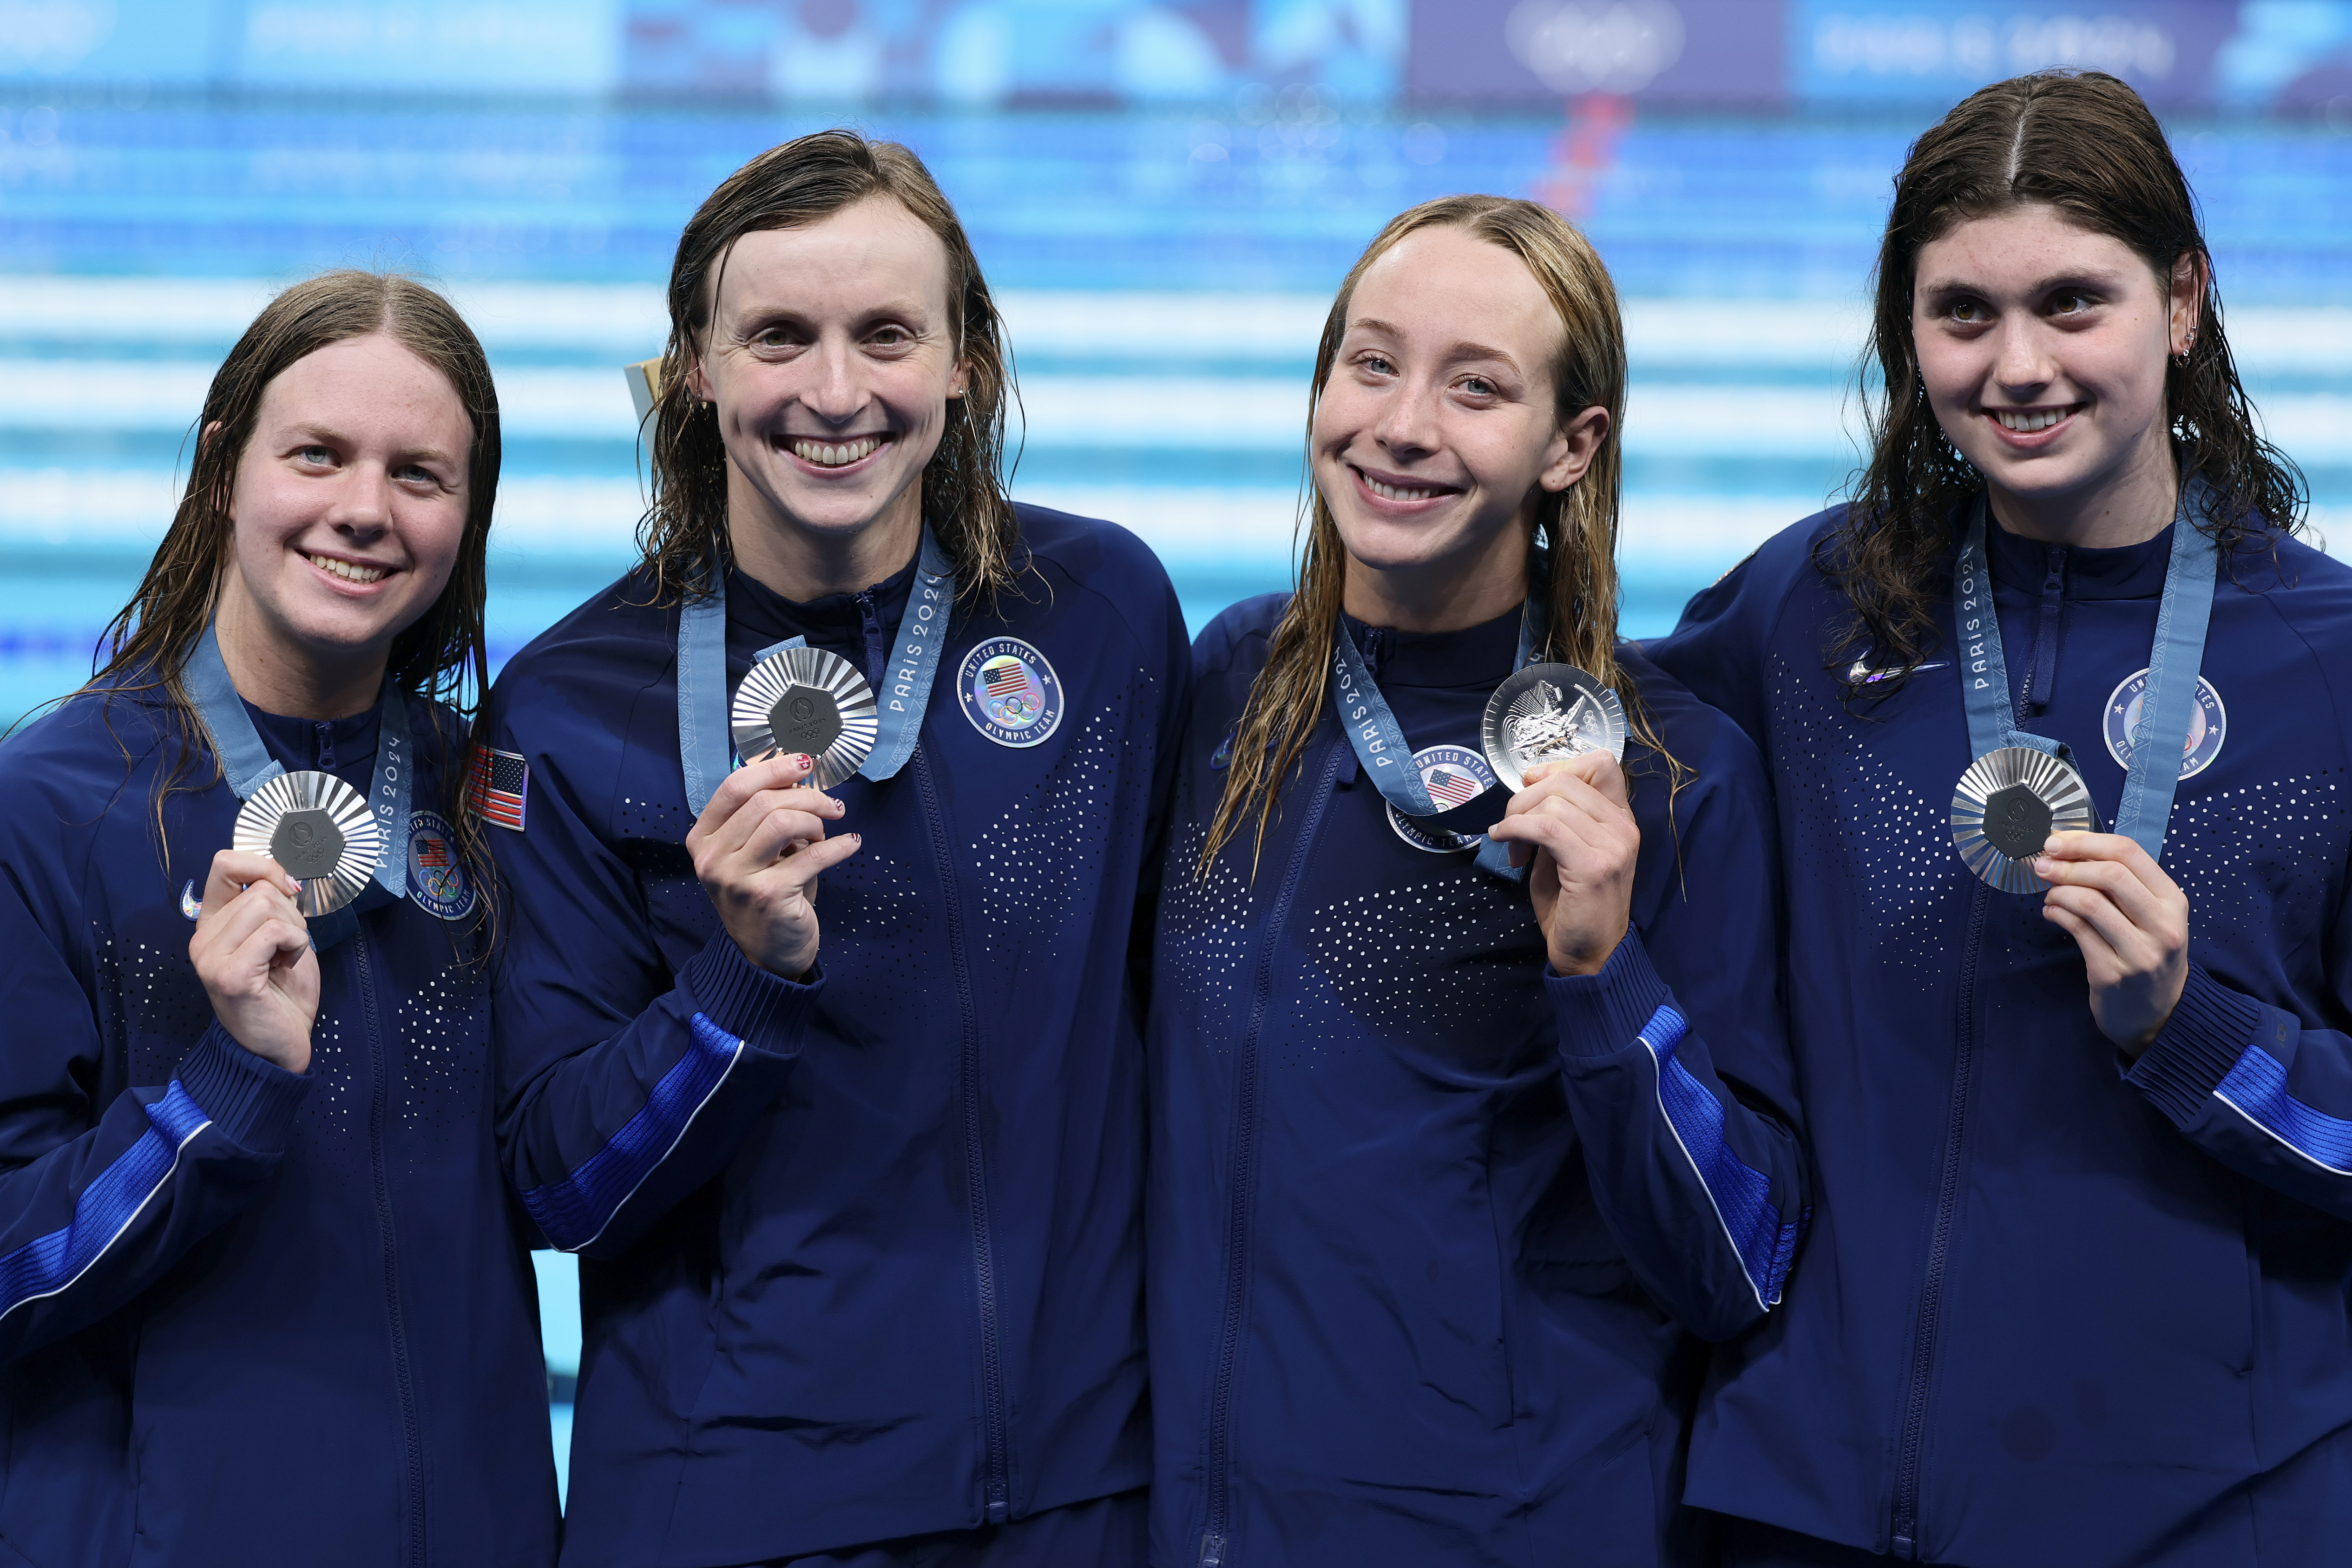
(705, 746)
(1382, 749)
(2169, 703)
(247, 765)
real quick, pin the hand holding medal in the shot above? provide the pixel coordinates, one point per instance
(2023, 820)
(760, 845)
(252, 951)
(2130, 920)
(1573, 819)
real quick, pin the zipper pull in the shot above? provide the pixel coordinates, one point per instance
(1212, 1549)
(326, 737)
(999, 1510)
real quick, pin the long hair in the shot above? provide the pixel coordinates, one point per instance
(2085, 144)
(1573, 548)
(684, 535)
(442, 655)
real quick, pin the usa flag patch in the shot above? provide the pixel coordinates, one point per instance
(499, 787)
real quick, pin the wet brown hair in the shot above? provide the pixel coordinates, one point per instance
(802, 181)
(2083, 143)
(443, 654)
(1574, 532)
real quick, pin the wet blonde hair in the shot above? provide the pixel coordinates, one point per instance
(1573, 542)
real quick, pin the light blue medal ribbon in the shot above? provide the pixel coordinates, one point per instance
(705, 746)
(2169, 705)
(1386, 755)
(247, 765)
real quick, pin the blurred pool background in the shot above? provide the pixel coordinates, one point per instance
(1163, 195)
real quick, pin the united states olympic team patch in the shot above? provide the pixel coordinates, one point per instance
(2208, 725)
(437, 874)
(1455, 776)
(1009, 692)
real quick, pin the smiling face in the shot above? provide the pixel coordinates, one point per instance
(2042, 347)
(349, 505)
(832, 357)
(1437, 434)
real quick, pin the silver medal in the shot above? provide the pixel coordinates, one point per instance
(2007, 804)
(1548, 713)
(319, 829)
(805, 699)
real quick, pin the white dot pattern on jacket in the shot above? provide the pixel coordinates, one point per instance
(1851, 809)
(441, 1028)
(1042, 856)
(1204, 928)
(2261, 851)
(1442, 965)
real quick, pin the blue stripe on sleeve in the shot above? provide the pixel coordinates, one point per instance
(2256, 1089)
(573, 1212)
(46, 1265)
(1742, 1195)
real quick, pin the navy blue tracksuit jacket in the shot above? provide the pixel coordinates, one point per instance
(2058, 1308)
(1433, 1230)
(862, 1255)
(249, 1317)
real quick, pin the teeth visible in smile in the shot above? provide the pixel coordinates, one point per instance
(1395, 492)
(825, 455)
(346, 570)
(2025, 422)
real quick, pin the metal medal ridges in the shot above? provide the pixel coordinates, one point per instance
(805, 699)
(320, 830)
(2007, 804)
(1547, 713)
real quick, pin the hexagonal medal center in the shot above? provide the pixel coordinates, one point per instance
(2017, 822)
(306, 843)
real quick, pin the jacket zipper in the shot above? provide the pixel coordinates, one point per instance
(379, 1117)
(1218, 1521)
(995, 1442)
(1906, 1522)
(877, 647)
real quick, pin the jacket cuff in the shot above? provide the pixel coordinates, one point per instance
(1601, 1014)
(755, 1007)
(2198, 1046)
(252, 1101)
